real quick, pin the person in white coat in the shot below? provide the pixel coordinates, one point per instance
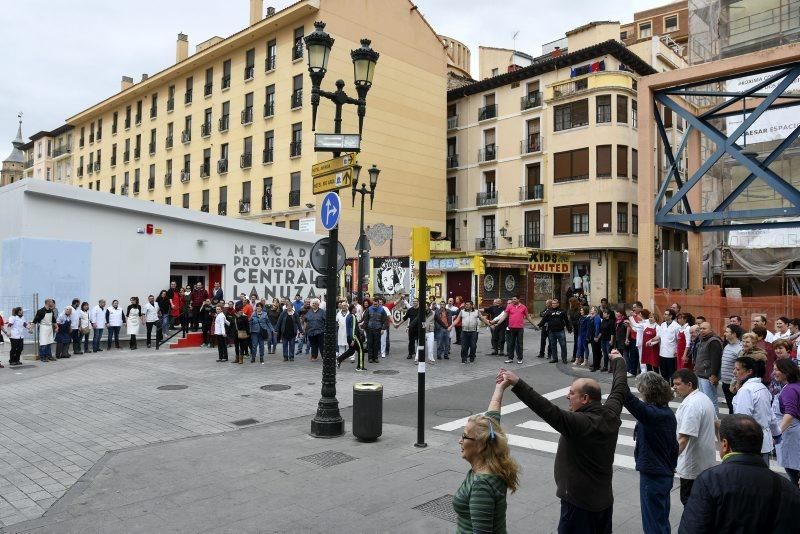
(150, 311)
(115, 318)
(341, 329)
(220, 322)
(85, 326)
(133, 324)
(99, 322)
(75, 332)
(46, 319)
(754, 399)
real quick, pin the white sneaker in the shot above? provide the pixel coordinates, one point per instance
(383, 355)
(352, 358)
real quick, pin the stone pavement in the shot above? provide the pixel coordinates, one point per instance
(59, 419)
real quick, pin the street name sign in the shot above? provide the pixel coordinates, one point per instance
(337, 142)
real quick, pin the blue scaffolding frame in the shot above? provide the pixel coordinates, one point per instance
(703, 221)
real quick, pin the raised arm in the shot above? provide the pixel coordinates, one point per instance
(619, 385)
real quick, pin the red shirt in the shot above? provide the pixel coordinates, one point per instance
(516, 315)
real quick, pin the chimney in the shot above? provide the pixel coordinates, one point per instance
(270, 12)
(144, 76)
(127, 82)
(256, 11)
(181, 47)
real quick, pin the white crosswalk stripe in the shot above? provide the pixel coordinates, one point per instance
(540, 436)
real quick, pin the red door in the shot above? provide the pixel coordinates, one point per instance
(459, 284)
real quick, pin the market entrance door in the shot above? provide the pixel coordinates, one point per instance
(189, 274)
(459, 284)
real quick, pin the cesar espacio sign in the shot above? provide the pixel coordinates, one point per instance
(270, 271)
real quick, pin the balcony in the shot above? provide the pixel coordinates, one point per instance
(91, 140)
(169, 141)
(151, 184)
(205, 129)
(294, 198)
(488, 198)
(137, 153)
(226, 82)
(114, 160)
(487, 112)
(170, 104)
(532, 192)
(297, 98)
(267, 155)
(269, 63)
(89, 168)
(97, 166)
(151, 147)
(138, 120)
(570, 88)
(124, 190)
(247, 115)
(266, 202)
(222, 208)
(80, 171)
(204, 208)
(168, 179)
(205, 170)
(452, 202)
(153, 115)
(452, 161)
(533, 100)
(244, 206)
(126, 156)
(295, 149)
(246, 160)
(452, 122)
(127, 125)
(207, 89)
(487, 153)
(186, 136)
(531, 145)
(485, 243)
(249, 72)
(269, 109)
(187, 97)
(531, 240)
(224, 123)
(136, 187)
(222, 166)
(185, 175)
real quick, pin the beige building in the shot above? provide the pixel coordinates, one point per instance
(227, 129)
(669, 22)
(48, 155)
(545, 157)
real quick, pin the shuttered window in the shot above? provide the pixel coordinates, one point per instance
(603, 217)
(622, 161)
(571, 165)
(571, 219)
(603, 161)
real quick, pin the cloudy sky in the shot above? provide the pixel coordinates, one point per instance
(61, 56)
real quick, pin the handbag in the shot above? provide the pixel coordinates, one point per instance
(85, 330)
(242, 334)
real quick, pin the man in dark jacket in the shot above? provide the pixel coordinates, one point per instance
(741, 495)
(585, 456)
(555, 321)
(199, 296)
(708, 362)
(499, 331)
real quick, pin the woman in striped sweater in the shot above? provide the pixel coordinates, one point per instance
(480, 502)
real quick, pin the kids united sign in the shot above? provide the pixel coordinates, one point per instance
(549, 262)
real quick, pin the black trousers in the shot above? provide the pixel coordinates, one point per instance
(574, 341)
(316, 344)
(726, 390)
(149, 326)
(16, 350)
(222, 347)
(576, 520)
(195, 316)
(597, 355)
(458, 334)
(499, 338)
(76, 340)
(514, 341)
(412, 341)
(355, 348)
(686, 489)
(666, 366)
(543, 344)
(373, 343)
(468, 343)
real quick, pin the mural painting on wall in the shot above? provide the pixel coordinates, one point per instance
(392, 276)
(271, 270)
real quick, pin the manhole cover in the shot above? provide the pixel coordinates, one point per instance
(245, 422)
(276, 387)
(328, 458)
(24, 367)
(299, 394)
(386, 372)
(245, 395)
(454, 413)
(441, 508)
(172, 387)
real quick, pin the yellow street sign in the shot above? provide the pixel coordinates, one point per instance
(345, 161)
(333, 181)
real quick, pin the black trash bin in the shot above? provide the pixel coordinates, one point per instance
(367, 410)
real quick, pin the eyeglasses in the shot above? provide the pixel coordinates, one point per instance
(466, 437)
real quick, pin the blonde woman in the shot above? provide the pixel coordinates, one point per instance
(480, 502)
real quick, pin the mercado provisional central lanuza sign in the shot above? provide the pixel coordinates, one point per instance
(543, 261)
(271, 270)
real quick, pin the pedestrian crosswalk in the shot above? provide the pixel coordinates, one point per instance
(526, 430)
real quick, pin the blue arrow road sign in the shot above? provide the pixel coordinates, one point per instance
(330, 210)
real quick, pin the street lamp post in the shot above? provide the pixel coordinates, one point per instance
(363, 242)
(328, 422)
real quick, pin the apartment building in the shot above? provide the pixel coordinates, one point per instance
(227, 130)
(545, 157)
(48, 155)
(669, 22)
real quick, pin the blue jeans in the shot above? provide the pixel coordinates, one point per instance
(271, 343)
(561, 339)
(256, 341)
(98, 333)
(709, 391)
(45, 351)
(583, 347)
(165, 324)
(113, 332)
(288, 348)
(654, 501)
(442, 342)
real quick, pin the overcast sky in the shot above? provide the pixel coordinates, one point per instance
(59, 57)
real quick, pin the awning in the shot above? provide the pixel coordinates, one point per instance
(508, 264)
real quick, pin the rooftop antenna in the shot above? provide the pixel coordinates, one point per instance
(514, 38)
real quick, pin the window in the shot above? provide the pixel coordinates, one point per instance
(127, 119)
(294, 192)
(603, 161)
(622, 161)
(249, 64)
(247, 112)
(634, 164)
(170, 132)
(222, 208)
(634, 113)
(295, 148)
(266, 199)
(225, 116)
(151, 177)
(623, 35)
(222, 164)
(113, 184)
(622, 217)
(269, 147)
(603, 217)
(168, 201)
(226, 74)
(205, 128)
(136, 175)
(269, 104)
(297, 91)
(114, 122)
(209, 86)
(205, 167)
(139, 112)
(671, 23)
(189, 85)
(114, 155)
(603, 103)
(280, 224)
(533, 189)
(186, 136)
(247, 153)
(622, 109)
(297, 48)
(495, 71)
(634, 219)
(294, 224)
(488, 228)
(171, 98)
(667, 117)
(571, 219)
(489, 109)
(272, 52)
(571, 165)
(532, 230)
(186, 200)
(206, 200)
(645, 29)
(571, 115)
(137, 148)
(152, 145)
(126, 155)
(153, 107)
(99, 133)
(187, 163)
(245, 191)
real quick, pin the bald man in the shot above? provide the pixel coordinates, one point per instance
(708, 362)
(585, 456)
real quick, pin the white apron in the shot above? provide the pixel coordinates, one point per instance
(46, 330)
(134, 323)
(341, 332)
